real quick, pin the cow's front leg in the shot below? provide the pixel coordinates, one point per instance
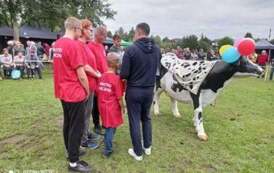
(198, 123)
(156, 102)
(174, 107)
(198, 119)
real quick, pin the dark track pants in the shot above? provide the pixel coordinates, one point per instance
(139, 101)
(95, 113)
(74, 123)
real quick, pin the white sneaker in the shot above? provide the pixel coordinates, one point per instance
(132, 153)
(147, 151)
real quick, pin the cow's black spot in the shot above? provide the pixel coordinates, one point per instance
(195, 63)
(186, 65)
(176, 87)
(187, 75)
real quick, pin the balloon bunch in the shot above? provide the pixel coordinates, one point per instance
(241, 47)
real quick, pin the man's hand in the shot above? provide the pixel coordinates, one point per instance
(92, 72)
(83, 79)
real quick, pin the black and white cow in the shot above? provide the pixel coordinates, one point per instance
(216, 79)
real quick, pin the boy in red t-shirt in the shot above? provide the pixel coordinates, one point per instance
(110, 101)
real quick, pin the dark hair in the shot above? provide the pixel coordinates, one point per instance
(116, 37)
(144, 27)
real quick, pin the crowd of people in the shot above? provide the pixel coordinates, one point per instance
(193, 54)
(27, 61)
(91, 82)
(261, 58)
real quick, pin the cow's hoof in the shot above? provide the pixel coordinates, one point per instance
(177, 115)
(156, 113)
(203, 137)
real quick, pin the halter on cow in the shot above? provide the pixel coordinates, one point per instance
(210, 86)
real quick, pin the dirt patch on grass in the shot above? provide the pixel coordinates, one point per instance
(209, 168)
(12, 140)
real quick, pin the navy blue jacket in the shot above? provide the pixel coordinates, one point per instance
(140, 63)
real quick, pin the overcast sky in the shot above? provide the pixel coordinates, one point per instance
(213, 18)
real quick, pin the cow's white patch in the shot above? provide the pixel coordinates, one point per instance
(189, 73)
(167, 82)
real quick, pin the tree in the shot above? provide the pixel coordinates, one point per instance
(205, 43)
(272, 41)
(51, 13)
(131, 34)
(190, 41)
(224, 41)
(248, 35)
(157, 40)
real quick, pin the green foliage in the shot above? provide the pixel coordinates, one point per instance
(127, 36)
(224, 41)
(51, 13)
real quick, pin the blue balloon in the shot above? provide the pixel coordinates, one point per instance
(231, 55)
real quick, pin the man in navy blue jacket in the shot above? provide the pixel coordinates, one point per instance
(140, 63)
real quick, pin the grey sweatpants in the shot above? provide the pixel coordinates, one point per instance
(88, 111)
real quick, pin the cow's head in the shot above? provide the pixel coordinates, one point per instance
(244, 65)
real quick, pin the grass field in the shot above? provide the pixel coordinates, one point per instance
(240, 129)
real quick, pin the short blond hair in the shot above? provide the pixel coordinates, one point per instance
(112, 59)
(72, 23)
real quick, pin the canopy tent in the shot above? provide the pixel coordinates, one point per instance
(125, 44)
(264, 44)
(30, 32)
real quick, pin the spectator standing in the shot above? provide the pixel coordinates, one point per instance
(110, 98)
(72, 88)
(89, 139)
(116, 47)
(263, 58)
(140, 63)
(98, 50)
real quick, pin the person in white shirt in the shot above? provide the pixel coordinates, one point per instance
(6, 61)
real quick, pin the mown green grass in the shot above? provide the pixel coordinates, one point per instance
(240, 129)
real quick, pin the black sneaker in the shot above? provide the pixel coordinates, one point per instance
(81, 166)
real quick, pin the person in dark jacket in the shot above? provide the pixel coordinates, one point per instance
(140, 63)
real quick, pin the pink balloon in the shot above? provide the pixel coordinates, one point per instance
(237, 42)
(246, 47)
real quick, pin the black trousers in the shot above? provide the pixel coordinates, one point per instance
(73, 127)
(139, 101)
(95, 113)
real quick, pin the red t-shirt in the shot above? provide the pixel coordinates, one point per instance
(89, 59)
(109, 91)
(100, 55)
(262, 60)
(67, 57)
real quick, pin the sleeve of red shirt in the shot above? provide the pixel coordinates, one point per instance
(118, 88)
(76, 56)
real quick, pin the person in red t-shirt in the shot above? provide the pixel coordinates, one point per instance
(72, 88)
(110, 100)
(98, 50)
(89, 139)
(263, 58)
